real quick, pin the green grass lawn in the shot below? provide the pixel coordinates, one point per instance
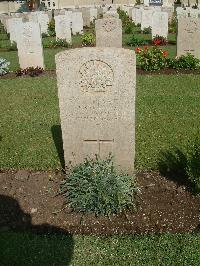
(167, 249)
(167, 114)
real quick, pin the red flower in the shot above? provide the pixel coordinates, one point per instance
(138, 50)
(157, 42)
(165, 53)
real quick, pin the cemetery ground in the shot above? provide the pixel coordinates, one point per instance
(167, 112)
(37, 226)
(6, 51)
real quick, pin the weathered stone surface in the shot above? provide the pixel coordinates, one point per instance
(93, 14)
(43, 20)
(63, 27)
(96, 88)
(138, 16)
(77, 23)
(188, 36)
(160, 24)
(108, 32)
(33, 17)
(146, 18)
(14, 25)
(111, 14)
(29, 46)
(86, 16)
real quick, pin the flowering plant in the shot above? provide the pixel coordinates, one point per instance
(151, 59)
(159, 40)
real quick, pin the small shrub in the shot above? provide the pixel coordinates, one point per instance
(124, 18)
(44, 35)
(134, 41)
(129, 28)
(151, 59)
(61, 43)
(57, 43)
(12, 46)
(187, 61)
(88, 39)
(51, 28)
(29, 71)
(159, 40)
(146, 30)
(95, 187)
(4, 66)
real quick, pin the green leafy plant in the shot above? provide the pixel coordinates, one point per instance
(146, 30)
(135, 41)
(152, 59)
(4, 66)
(187, 61)
(51, 28)
(126, 21)
(88, 39)
(95, 187)
(57, 43)
(159, 40)
(30, 71)
(12, 46)
(44, 35)
(129, 28)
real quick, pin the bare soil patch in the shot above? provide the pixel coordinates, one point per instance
(30, 199)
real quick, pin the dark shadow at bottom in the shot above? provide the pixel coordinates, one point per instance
(23, 243)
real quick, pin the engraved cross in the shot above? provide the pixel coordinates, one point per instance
(99, 143)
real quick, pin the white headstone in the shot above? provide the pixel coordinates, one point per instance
(77, 23)
(138, 16)
(63, 27)
(96, 88)
(146, 19)
(108, 32)
(93, 14)
(111, 14)
(43, 20)
(15, 25)
(160, 24)
(188, 37)
(29, 44)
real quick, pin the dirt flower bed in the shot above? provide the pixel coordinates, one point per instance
(31, 199)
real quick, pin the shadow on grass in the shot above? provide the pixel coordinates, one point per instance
(57, 137)
(23, 243)
(173, 164)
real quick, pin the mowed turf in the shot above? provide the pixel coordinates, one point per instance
(167, 114)
(166, 249)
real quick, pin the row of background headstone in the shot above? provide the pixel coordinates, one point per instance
(28, 35)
